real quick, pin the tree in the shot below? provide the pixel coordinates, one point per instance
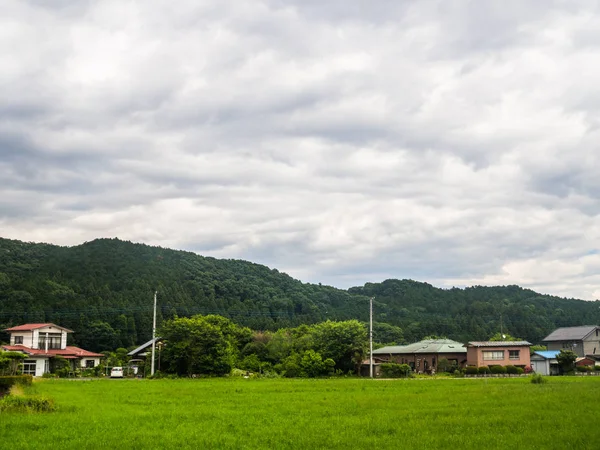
(10, 362)
(201, 345)
(312, 365)
(344, 342)
(504, 337)
(566, 359)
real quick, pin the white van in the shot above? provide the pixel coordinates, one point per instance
(116, 372)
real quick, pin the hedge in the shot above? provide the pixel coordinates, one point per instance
(8, 381)
(498, 369)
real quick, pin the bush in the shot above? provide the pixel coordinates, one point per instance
(471, 370)
(444, 365)
(26, 404)
(7, 382)
(583, 369)
(536, 378)
(393, 370)
(597, 368)
(512, 370)
(520, 370)
(498, 369)
(483, 370)
(48, 375)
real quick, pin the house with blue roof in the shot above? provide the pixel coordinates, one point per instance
(544, 362)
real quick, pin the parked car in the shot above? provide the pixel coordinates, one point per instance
(116, 372)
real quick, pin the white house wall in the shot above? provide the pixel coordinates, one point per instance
(27, 339)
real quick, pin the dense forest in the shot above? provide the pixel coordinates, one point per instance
(103, 290)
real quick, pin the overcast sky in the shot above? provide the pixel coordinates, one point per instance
(340, 141)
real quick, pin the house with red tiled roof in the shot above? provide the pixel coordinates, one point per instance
(42, 342)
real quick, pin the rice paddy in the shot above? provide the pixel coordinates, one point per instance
(310, 414)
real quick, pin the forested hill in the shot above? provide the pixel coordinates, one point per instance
(103, 290)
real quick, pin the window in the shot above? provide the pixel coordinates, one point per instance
(513, 354)
(53, 341)
(18, 340)
(29, 367)
(89, 363)
(493, 355)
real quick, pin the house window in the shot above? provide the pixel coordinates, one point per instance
(89, 363)
(53, 341)
(18, 340)
(29, 367)
(493, 355)
(513, 354)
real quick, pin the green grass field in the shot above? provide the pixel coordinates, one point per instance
(310, 414)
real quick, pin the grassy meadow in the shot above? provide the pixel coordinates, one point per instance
(311, 414)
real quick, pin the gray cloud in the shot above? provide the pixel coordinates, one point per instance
(342, 142)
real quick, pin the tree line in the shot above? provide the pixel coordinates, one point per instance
(103, 291)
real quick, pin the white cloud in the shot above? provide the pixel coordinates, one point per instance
(342, 142)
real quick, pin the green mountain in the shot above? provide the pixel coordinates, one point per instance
(104, 289)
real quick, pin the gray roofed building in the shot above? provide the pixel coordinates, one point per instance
(570, 333)
(583, 340)
(144, 348)
(425, 346)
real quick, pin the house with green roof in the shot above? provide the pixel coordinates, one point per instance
(423, 356)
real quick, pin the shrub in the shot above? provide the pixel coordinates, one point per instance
(537, 378)
(528, 369)
(7, 382)
(583, 369)
(498, 369)
(597, 368)
(483, 370)
(520, 370)
(443, 365)
(48, 375)
(393, 370)
(26, 404)
(512, 370)
(471, 370)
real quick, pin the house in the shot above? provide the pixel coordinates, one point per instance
(545, 362)
(42, 342)
(585, 361)
(498, 353)
(583, 341)
(144, 350)
(423, 356)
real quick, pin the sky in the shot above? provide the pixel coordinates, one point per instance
(342, 142)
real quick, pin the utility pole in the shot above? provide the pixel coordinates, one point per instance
(371, 337)
(153, 335)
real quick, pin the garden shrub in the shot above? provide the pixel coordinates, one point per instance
(7, 382)
(597, 368)
(583, 369)
(512, 370)
(394, 370)
(471, 370)
(537, 378)
(483, 370)
(520, 370)
(498, 369)
(444, 365)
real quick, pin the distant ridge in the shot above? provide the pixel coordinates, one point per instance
(103, 289)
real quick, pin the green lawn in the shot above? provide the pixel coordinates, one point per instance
(309, 414)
